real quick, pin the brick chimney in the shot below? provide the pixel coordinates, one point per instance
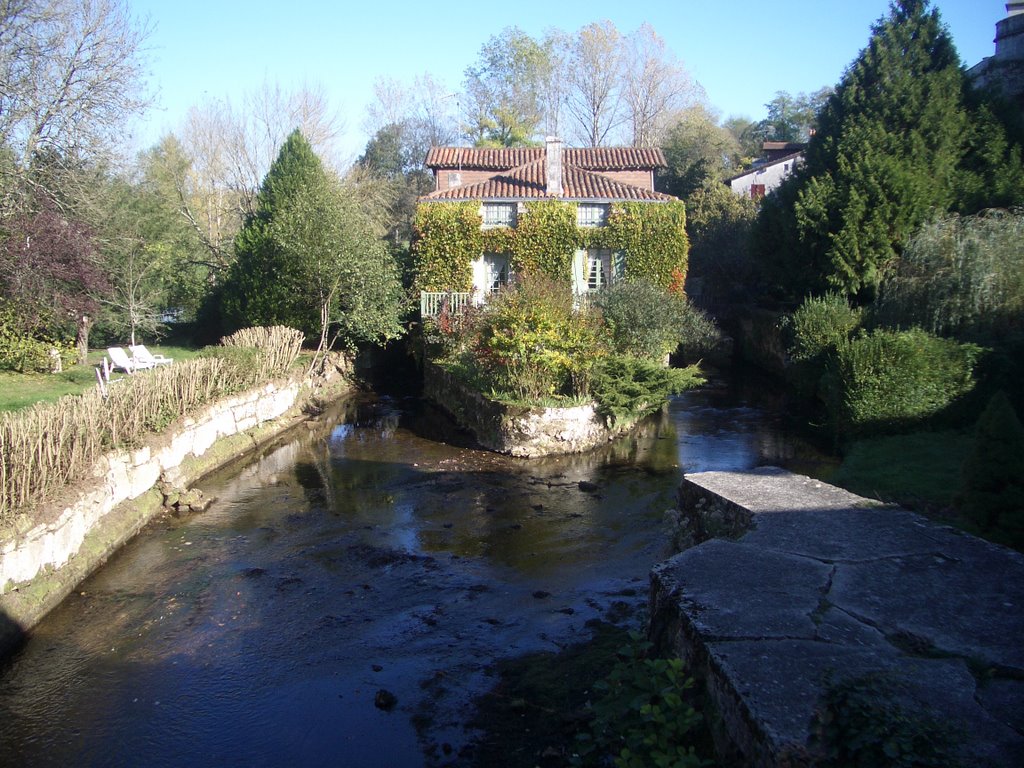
(553, 164)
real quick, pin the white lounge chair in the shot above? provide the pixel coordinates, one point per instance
(141, 354)
(119, 359)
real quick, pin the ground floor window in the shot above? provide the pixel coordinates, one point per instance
(497, 265)
(491, 271)
(596, 268)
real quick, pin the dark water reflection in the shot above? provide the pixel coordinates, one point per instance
(354, 556)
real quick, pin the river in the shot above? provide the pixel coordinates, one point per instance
(343, 599)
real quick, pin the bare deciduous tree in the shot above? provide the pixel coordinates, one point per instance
(656, 87)
(224, 151)
(71, 76)
(426, 113)
(594, 73)
(553, 87)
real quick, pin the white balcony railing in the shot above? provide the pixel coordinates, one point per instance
(432, 303)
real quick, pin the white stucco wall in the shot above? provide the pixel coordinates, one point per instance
(770, 175)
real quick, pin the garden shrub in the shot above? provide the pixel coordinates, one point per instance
(642, 715)
(24, 352)
(889, 379)
(820, 324)
(627, 387)
(698, 333)
(531, 344)
(992, 485)
(647, 321)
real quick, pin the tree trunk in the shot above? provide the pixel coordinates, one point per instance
(82, 338)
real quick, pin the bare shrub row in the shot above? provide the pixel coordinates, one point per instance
(50, 445)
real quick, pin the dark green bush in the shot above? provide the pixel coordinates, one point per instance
(992, 490)
(890, 379)
(647, 321)
(861, 725)
(819, 325)
(625, 387)
(642, 715)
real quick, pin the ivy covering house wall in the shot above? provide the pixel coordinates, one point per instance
(448, 237)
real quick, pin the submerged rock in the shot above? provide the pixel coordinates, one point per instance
(385, 700)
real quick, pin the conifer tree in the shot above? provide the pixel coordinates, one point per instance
(263, 287)
(992, 490)
(895, 144)
(310, 258)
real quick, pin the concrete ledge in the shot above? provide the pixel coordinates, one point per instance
(816, 586)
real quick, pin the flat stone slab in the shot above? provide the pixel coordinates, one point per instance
(826, 586)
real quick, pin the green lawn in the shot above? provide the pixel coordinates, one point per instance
(920, 470)
(20, 390)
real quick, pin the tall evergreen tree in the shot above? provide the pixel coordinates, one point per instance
(310, 258)
(893, 146)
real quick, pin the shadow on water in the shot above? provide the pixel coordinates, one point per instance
(12, 636)
(351, 557)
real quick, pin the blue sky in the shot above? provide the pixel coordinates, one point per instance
(742, 51)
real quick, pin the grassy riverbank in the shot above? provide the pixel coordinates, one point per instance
(920, 471)
(20, 390)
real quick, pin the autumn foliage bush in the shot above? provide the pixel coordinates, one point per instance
(529, 342)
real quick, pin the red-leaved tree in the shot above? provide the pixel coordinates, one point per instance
(50, 275)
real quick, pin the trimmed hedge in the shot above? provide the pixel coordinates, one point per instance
(888, 379)
(50, 445)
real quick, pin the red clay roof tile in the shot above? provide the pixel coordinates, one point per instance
(529, 181)
(589, 158)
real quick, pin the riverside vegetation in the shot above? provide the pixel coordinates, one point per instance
(50, 445)
(530, 346)
(918, 375)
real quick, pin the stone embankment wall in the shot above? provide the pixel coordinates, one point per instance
(41, 565)
(788, 587)
(517, 431)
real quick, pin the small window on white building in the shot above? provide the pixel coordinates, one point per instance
(499, 215)
(591, 215)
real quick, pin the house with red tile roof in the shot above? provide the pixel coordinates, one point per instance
(505, 180)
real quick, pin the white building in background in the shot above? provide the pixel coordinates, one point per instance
(781, 159)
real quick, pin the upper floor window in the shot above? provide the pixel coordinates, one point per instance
(499, 215)
(591, 215)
